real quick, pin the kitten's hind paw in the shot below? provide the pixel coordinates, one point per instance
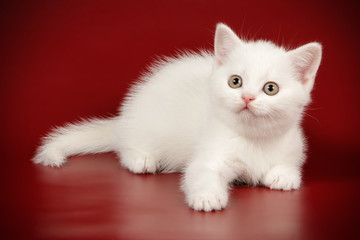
(139, 162)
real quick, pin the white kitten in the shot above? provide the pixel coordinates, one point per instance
(234, 114)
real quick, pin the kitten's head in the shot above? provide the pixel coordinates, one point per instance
(258, 86)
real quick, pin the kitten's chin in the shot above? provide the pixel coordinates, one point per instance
(246, 115)
(247, 112)
(249, 115)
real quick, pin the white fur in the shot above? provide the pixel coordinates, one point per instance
(183, 116)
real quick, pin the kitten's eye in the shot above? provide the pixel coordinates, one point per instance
(235, 81)
(271, 88)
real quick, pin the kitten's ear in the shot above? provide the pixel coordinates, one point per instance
(225, 42)
(306, 60)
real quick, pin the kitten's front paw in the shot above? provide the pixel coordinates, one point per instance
(283, 178)
(208, 201)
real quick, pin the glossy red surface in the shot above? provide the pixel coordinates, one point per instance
(63, 60)
(92, 196)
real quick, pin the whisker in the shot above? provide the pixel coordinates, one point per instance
(314, 118)
(312, 108)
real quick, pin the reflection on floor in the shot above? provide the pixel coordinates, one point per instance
(94, 197)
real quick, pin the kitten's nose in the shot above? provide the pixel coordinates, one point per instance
(248, 98)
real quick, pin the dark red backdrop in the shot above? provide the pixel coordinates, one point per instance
(62, 60)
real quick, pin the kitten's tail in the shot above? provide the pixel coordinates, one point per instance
(89, 136)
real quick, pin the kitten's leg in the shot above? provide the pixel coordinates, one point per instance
(138, 161)
(206, 187)
(283, 177)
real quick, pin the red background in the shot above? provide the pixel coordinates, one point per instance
(63, 60)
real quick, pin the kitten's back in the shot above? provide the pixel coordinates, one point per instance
(168, 105)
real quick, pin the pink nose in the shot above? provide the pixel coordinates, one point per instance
(248, 98)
